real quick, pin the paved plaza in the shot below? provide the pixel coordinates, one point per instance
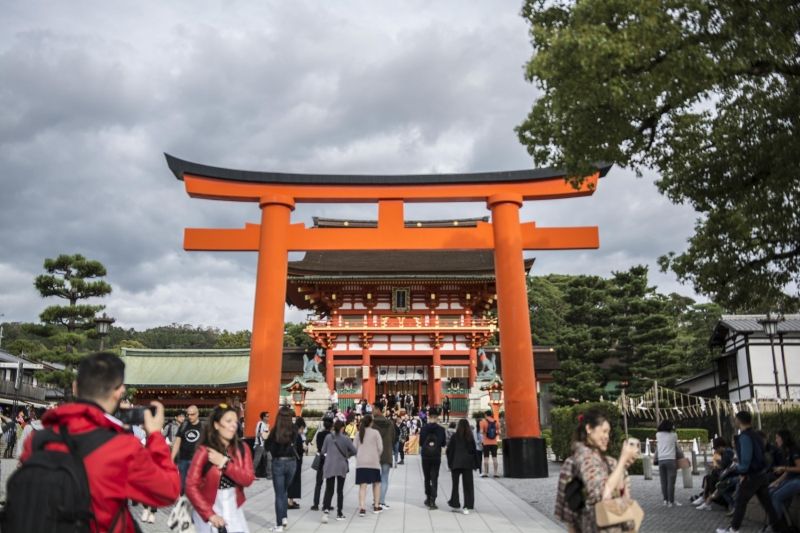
(504, 505)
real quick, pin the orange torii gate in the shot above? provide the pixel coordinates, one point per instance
(504, 192)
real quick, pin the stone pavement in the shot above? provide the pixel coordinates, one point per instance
(496, 508)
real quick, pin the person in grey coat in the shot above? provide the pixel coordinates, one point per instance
(337, 450)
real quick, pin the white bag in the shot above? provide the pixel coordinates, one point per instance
(180, 518)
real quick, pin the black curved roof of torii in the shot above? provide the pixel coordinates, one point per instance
(179, 167)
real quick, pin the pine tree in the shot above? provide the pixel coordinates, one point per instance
(72, 278)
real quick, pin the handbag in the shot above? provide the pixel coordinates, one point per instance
(180, 519)
(317, 462)
(618, 511)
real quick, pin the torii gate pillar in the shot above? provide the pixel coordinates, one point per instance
(266, 346)
(524, 451)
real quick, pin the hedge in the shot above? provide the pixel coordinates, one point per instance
(564, 420)
(683, 434)
(784, 419)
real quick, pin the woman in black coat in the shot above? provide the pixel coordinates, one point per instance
(461, 461)
(294, 486)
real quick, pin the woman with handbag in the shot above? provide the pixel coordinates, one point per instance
(599, 483)
(337, 450)
(221, 467)
(667, 455)
(281, 444)
(319, 459)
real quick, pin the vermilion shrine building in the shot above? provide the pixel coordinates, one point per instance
(407, 322)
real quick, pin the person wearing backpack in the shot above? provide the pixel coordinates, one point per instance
(489, 431)
(432, 439)
(753, 475)
(78, 473)
(221, 467)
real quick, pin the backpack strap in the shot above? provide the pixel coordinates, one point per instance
(81, 444)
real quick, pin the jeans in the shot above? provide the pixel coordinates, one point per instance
(384, 481)
(318, 484)
(783, 493)
(282, 473)
(395, 451)
(258, 456)
(183, 469)
(469, 488)
(326, 503)
(667, 472)
(749, 486)
(430, 471)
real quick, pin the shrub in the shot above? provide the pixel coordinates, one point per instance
(547, 435)
(683, 434)
(564, 420)
(783, 419)
(312, 413)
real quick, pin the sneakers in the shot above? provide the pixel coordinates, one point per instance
(324, 518)
(362, 513)
(285, 522)
(727, 530)
(376, 509)
(340, 517)
(464, 511)
(454, 506)
(698, 500)
(677, 504)
(704, 507)
(385, 506)
(484, 475)
(314, 508)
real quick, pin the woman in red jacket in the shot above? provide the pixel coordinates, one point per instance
(221, 468)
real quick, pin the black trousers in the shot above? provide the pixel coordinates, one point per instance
(318, 484)
(430, 471)
(326, 503)
(469, 488)
(754, 485)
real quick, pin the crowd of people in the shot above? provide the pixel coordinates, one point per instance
(119, 459)
(754, 465)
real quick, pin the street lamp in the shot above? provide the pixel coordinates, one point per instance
(297, 388)
(495, 389)
(770, 325)
(103, 325)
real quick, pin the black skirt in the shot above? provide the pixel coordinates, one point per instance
(294, 486)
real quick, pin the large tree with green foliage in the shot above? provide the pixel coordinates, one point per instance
(707, 93)
(72, 278)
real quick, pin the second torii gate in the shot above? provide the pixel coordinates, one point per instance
(276, 236)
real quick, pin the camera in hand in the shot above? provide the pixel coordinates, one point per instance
(134, 416)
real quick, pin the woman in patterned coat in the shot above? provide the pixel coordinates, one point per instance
(603, 477)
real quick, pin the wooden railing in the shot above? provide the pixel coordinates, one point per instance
(26, 392)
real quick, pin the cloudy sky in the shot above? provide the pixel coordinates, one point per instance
(93, 93)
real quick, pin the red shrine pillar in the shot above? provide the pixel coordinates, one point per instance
(473, 364)
(436, 376)
(366, 374)
(266, 345)
(524, 452)
(330, 372)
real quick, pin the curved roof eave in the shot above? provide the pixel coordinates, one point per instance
(179, 167)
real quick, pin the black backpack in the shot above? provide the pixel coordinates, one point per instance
(432, 447)
(50, 491)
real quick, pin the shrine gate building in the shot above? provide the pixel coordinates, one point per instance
(398, 322)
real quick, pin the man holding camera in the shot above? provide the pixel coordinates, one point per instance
(120, 469)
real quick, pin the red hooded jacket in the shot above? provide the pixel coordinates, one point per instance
(120, 469)
(202, 490)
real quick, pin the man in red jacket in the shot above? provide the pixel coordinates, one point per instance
(121, 469)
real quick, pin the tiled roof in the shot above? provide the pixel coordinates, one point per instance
(440, 263)
(749, 324)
